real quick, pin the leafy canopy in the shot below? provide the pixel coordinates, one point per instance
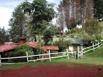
(42, 14)
(98, 8)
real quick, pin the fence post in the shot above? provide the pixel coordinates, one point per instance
(98, 44)
(101, 43)
(67, 53)
(93, 47)
(82, 51)
(49, 56)
(77, 52)
(27, 56)
(0, 60)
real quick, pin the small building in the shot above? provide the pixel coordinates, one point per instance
(75, 43)
(9, 47)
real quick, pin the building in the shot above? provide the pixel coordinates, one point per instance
(76, 11)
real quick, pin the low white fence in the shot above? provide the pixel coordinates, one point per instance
(49, 56)
(46, 56)
(87, 49)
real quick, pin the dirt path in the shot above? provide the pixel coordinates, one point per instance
(60, 70)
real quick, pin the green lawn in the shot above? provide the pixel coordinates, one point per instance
(98, 53)
(92, 57)
(33, 64)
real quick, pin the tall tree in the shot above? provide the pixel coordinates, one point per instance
(19, 22)
(49, 33)
(76, 11)
(93, 29)
(16, 23)
(98, 9)
(42, 14)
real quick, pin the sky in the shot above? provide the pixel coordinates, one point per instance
(8, 6)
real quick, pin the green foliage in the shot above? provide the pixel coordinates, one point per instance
(49, 33)
(43, 11)
(93, 29)
(37, 51)
(98, 8)
(42, 15)
(21, 51)
(39, 27)
(4, 36)
(16, 23)
(26, 7)
(97, 53)
(22, 23)
(62, 44)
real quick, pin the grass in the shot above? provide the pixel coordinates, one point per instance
(88, 60)
(97, 53)
(92, 57)
(33, 64)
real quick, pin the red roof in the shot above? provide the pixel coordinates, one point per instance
(32, 44)
(10, 46)
(46, 48)
(7, 47)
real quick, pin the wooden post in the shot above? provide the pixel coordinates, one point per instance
(27, 56)
(67, 54)
(0, 60)
(93, 47)
(49, 56)
(82, 51)
(98, 44)
(77, 53)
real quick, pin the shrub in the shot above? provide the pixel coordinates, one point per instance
(62, 44)
(21, 51)
(48, 37)
(93, 29)
(37, 50)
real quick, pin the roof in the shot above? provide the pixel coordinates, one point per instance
(10, 46)
(7, 47)
(32, 44)
(46, 48)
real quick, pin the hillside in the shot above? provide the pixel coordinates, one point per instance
(97, 53)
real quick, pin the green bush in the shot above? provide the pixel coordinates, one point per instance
(62, 44)
(93, 29)
(48, 36)
(36, 52)
(21, 51)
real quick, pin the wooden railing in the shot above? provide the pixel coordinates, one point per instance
(50, 56)
(46, 56)
(90, 48)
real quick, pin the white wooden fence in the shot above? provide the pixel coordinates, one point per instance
(87, 49)
(79, 53)
(46, 56)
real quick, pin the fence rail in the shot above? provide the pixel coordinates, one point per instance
(93, 47)
(49, 55)
(46, 56)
